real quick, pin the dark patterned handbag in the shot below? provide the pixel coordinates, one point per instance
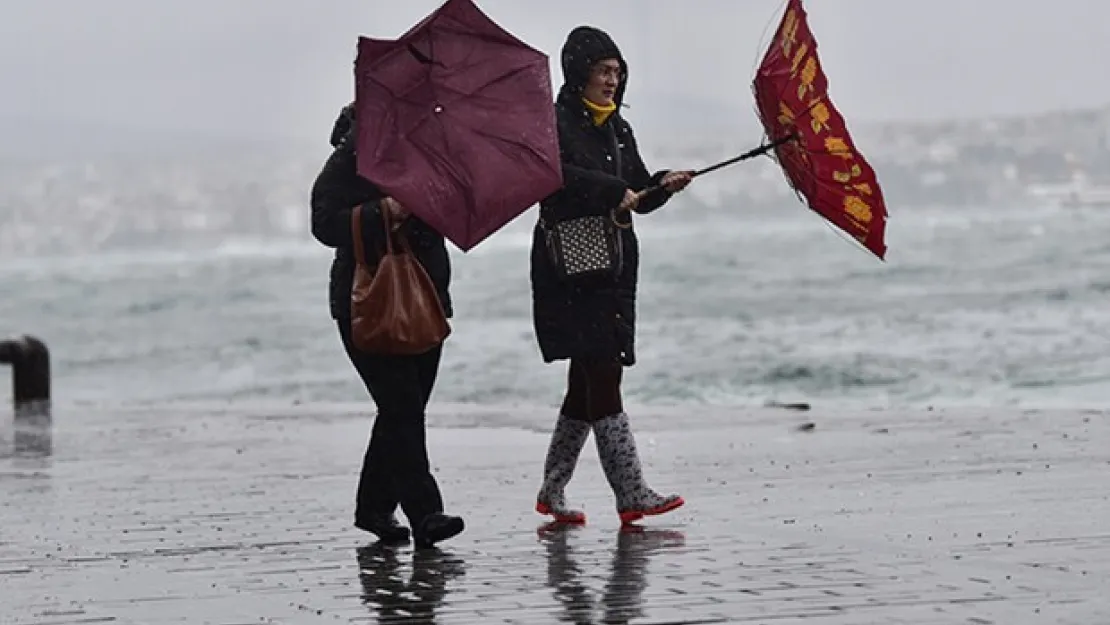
(586, 248)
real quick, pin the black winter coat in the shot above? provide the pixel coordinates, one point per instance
(337, 190)
(594, 321)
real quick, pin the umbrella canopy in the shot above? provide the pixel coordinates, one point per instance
(822, 163)
(456, 121)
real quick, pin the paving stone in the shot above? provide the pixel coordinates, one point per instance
(234, 516)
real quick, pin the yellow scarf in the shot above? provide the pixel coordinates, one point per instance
(599, 112)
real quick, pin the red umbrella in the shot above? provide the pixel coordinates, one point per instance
(822, 163)
(455, 121)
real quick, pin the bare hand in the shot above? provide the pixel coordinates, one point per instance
(630, 202)
(676, 181)
(397, 212)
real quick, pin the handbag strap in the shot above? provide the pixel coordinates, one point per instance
(387, 223)
(393, 236)
(359, 242)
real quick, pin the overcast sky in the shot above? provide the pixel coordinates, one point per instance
(285, 66)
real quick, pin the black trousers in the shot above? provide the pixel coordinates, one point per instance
(593, 390)
(395, 469)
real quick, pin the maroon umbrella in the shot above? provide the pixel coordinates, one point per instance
(455, 121)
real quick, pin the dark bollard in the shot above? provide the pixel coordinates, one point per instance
(30, 361)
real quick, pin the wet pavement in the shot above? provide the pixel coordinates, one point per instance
(241, 516)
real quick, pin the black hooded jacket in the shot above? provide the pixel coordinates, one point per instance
(337, 190)
(594, 321)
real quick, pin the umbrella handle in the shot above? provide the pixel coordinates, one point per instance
(759, 151)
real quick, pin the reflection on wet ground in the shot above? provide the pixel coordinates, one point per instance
(205, 516)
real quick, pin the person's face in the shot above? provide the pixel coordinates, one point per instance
(605, 77)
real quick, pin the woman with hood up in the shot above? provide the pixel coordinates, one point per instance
(592, 323)
(395, 469)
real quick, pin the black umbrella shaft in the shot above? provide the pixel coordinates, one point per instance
(759, 151)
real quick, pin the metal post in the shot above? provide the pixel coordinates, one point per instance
(30, 361)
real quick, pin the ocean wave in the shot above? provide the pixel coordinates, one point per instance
(184, 286)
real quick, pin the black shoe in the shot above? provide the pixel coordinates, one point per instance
(437, 527)
(384, 526)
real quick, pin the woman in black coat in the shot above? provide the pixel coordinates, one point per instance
(592, 323)
(395, 469)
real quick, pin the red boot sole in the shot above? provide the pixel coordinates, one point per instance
(630, 516)
(577, 518)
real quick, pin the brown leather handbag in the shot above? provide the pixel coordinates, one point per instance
(394, 307)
